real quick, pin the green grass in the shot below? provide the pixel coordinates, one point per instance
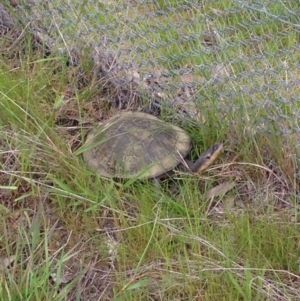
(68, 234)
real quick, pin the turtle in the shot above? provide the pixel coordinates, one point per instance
(140, 145)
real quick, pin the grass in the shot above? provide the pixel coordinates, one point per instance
(68, 234)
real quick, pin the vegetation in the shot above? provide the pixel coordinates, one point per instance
(230, 234)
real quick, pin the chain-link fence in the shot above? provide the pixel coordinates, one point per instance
(239, 58)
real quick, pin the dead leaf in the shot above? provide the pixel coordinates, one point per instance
(239, 203)
(6, 262)
(220, 189)
(133, 75)
(64, 279)
(13, 3)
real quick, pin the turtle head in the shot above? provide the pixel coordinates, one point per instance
(207, 158)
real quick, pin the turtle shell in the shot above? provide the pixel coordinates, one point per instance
(135, 144)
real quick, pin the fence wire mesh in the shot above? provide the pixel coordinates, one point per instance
(236, 59)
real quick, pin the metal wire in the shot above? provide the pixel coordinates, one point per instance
(238, 59)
